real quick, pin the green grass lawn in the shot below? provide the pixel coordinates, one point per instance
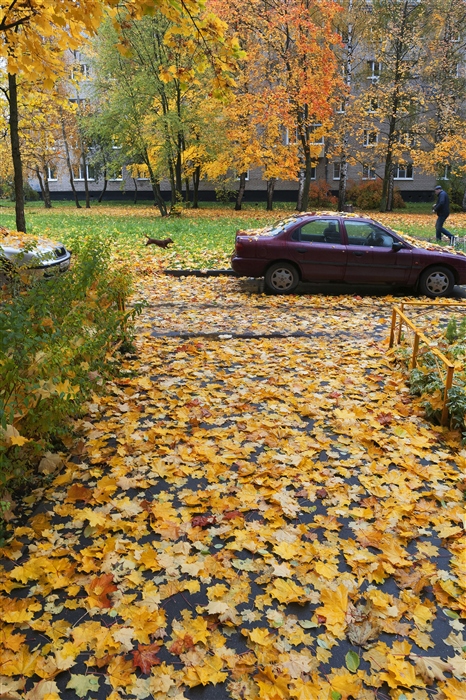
(202, 238)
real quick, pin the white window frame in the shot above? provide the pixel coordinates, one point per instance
(405, 169)
(336, 168)
(376, 69)
(312, 129)
(313, 172)
(247, 176)
(367, 143)
(49, 174)
(80, 172)
(341, 108)
(368, 173)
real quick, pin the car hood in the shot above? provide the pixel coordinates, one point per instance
(27, 248)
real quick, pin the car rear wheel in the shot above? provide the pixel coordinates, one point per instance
(281, 278)
(436, 282)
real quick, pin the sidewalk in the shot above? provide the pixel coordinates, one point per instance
(259, 511)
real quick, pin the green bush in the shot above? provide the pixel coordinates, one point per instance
(426, 381)
(55, 337)
(367, 194)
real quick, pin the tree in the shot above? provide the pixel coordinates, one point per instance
(290, 54)
(397, 31)
(443, 126)
(35, 33)
(351, 24)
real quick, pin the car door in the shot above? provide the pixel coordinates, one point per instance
(371, 256)
(318, 249)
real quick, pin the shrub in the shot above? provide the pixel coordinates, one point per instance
(55, 338)
(368, 195)
(320, 195)
(7, 191)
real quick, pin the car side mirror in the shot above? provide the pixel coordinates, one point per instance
(396, 246)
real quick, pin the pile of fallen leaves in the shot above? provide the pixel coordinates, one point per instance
(246, 509)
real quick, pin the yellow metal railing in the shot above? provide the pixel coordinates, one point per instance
(399, 319)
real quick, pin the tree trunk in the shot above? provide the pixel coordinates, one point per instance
(86, 182)
(387, 185)
(343, 182)
(342, 185)
(158, 199)
(187, 193)
(68, 163)
(135, 198)
(44, 187)
(307, 179)
(41, 185)
(196, 180)
(299, 203)
(464, 202)
(270, 190)
(16, 153)
(240, 194)
(47, 198)
(104, 188)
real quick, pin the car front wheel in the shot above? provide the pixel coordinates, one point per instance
(436, 282)
(281, 278)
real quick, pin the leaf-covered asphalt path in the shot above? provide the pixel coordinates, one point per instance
(258, 510)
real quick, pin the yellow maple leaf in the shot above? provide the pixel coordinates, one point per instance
(261, 635)
(209, 672)
(286, 591)
(335, 605)
(346, 684)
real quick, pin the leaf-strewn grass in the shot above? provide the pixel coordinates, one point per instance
(203, 238)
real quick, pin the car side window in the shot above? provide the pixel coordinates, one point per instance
(319, 231)
(364, 233)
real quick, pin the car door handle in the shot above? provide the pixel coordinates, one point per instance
(358, 253)
(301, 250)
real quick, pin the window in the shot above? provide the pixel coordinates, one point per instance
(78, 172)
(313, 172)
(116, 175)
(405, 138)
(404, 172)
(368, 173)
(317, 141)
(446, 173)
(341, 108)
(336, 171)
(142, 175)
(374, 68)
(370, 138)
(363, 233)
(52, 173)
(318, 231)
(246, 178)
(373, 105)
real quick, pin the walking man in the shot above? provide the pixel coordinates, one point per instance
(442, 209)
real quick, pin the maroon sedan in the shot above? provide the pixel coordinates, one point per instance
(339, 248)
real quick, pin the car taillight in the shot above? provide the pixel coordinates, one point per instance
(239, 245)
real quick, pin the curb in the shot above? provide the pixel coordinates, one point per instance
(202, 273)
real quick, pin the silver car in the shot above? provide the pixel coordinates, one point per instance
(33, 256)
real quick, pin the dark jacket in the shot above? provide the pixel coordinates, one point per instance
(442, 206)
